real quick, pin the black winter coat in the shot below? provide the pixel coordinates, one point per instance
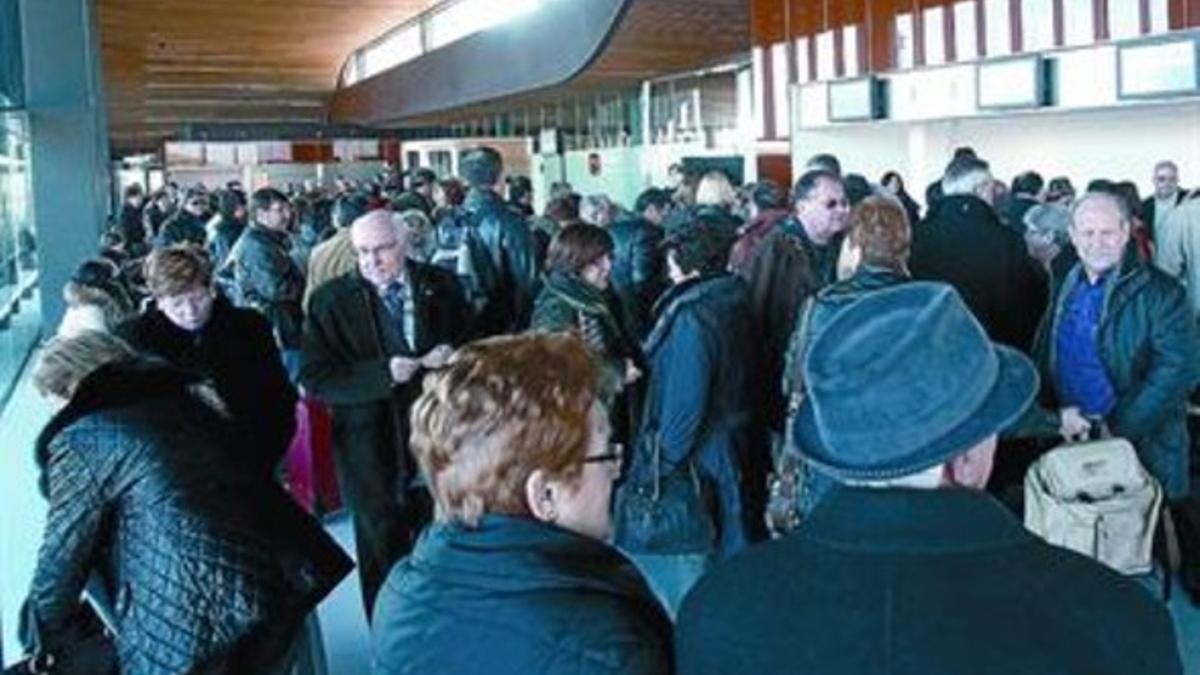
(920, 582)
(515, 596)
(269, 280)
(962, 243)
(236, 352)
(200, 553)
(504, 257)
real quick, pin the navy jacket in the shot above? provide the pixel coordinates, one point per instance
(520, 597)
(927, 582)
(702, 399)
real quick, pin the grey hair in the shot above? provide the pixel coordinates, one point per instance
(965, 177)
(1166, 164)
(597, 209)
(1048, 220)
(1116, 202)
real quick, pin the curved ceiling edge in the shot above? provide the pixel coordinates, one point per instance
(545, 49)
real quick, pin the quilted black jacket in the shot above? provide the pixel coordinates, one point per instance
(199, 552)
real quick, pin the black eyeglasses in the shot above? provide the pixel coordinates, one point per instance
(606, 457)
(834, 203)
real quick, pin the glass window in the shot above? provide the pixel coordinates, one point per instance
(905, 42)
(999, 27)
(19, 321)
(966, 42)
(468, 17)
(1124, 19)
(395, 48)
(760, 93)
(1079, 25)
(850, 51)
(825, 58)
(935, 35)
(1037, 25)
(1160, 16)
(803, 67)
(442, 162)
(780, 81)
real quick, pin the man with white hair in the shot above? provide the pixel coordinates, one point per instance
(369, 337)
(963, 243)
(1119, 342)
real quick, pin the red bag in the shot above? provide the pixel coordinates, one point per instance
(310, 474)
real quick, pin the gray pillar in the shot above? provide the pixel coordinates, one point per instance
(69, 139)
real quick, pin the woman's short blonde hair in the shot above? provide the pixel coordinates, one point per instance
(716, 190)
(499, 410)
(177, 269)
(66, 361)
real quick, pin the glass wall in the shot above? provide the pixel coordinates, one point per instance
(20, 315)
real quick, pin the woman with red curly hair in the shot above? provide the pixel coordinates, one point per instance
(515, 575)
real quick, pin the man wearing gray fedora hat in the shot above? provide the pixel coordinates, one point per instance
(908, 566)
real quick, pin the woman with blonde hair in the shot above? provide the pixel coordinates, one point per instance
(715, 189)
(515, 575)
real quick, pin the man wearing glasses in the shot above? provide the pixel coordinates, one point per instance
(792, 263)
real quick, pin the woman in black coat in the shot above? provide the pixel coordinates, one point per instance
(211, 566)
(196, 329)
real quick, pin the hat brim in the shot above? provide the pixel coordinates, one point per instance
(1011, 394)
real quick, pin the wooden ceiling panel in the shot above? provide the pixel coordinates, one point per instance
(229, 60)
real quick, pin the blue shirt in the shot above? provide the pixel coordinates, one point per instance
(1079, 373)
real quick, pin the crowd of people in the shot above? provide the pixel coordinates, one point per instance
(728, 428)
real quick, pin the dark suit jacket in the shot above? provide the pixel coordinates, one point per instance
(349, 339)
(920, 581)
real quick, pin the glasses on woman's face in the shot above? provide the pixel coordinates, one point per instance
(612, 458)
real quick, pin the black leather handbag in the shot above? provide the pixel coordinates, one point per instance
(666, 510)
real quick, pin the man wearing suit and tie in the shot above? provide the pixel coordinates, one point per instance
(369, 337)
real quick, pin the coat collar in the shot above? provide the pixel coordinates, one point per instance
(116, 385)
(516, 553)
(1119, 285)
(680, 297)
(883, 520)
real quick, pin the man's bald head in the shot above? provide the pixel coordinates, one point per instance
(380, 241)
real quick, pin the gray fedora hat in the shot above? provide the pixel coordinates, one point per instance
(903, 380)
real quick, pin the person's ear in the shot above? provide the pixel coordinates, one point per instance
(541, 496)
(972, 468)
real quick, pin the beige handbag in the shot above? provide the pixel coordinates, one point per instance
(1095, 498)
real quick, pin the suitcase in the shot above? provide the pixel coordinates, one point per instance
(311, 478)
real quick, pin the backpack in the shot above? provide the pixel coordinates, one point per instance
(1097, 499)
